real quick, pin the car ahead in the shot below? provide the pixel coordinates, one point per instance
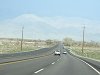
(64, 52)
(57, 53)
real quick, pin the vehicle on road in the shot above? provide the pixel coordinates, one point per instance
(57, 53)
(64, 52)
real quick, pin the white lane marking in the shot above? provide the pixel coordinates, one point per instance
(91, 67)
(53, 63)
(39, 71)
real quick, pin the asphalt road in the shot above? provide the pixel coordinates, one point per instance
(48, 65)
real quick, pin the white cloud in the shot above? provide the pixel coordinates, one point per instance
(48, 27)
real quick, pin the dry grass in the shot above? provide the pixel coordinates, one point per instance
(91, 52)
(13, 48)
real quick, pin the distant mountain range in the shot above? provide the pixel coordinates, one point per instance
(39, 27)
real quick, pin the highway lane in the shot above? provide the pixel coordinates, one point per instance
(67, 65)
(4, 58)
(27, 67)
(48, 65)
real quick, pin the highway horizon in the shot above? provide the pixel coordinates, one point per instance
(51, 64)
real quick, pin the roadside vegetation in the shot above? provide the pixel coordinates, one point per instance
(91, 49)
(10, 45)
(91, 52)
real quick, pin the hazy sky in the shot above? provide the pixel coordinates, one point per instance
(54, 19)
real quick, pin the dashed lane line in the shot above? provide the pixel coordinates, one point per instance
(53, 63)
(39, 71)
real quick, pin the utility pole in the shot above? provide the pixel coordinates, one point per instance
(22, 39)
(83, 40)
